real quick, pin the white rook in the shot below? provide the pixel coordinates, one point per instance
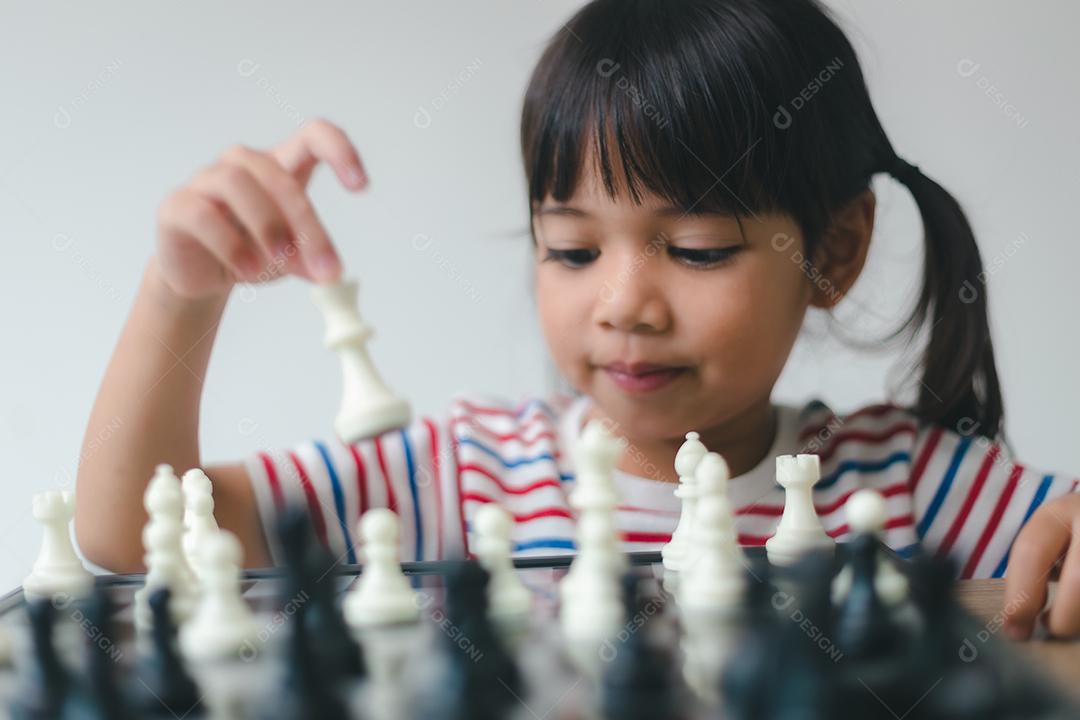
(368, 407)
(800, 530)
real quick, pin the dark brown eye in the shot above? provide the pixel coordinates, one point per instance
(577, 258)
(704, 258)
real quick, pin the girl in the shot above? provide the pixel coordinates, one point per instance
(699, 176)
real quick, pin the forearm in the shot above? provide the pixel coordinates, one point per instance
(148, 409)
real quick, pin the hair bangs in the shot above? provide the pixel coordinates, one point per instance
(654, 116)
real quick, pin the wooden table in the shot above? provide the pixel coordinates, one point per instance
(1061, 659)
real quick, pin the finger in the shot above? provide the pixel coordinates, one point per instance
(1064, 616)
(200, 217)
(322, 141)
(1034, 552)
(317, 255)
(256, 212)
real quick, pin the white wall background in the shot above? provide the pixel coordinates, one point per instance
(107, 107)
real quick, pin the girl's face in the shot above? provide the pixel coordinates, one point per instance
(722, 306)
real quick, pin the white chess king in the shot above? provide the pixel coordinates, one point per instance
(368, 407)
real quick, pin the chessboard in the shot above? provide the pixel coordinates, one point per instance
(801, 645)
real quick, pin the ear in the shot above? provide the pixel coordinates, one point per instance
(841, 254)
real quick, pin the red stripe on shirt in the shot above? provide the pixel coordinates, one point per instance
(391, 496)
(866, 436)
(433, 435)
(361, 479)
(778, 510)
(314, 508)
(524, 517)
(503, 412)
(502, 437)
(534, 485)
(273, 481)
(993, 522)
(965, 510)
(890, 524)
(917, 471)
(460, 503)
(646, 537)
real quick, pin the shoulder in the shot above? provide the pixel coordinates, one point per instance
(527, 421)
(873, 431)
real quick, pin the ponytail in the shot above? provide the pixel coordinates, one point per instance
(959, 386)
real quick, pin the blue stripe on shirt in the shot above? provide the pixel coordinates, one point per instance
(908, 551)
(415, 495)
(503, 461)
(546, 543)
(339, 499)
(1040, 495)
(943, 489)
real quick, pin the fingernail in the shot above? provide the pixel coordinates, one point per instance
(325, 267)
(356, 177)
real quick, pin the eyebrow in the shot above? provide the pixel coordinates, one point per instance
(668, 211)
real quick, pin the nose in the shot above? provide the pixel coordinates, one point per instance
(630, 300)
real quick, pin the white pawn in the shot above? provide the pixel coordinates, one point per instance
(223, 624)
(800, 530)
(58, 572)
(199, 521)
(711, 475)
(382, 595)
(715, 581)
(368, 407)
(165, 567)
(509, 601)
(686, 461)
(591, 607)
(866, 513)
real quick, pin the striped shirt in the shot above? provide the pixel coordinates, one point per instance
(945, 492)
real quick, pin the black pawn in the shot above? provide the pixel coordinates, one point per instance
(163, 688)
(481, 680)
(99, 696)
(745, 683)
(637, 684)
(308, 690)
(808, 671)
(311, 578)
(48, 684)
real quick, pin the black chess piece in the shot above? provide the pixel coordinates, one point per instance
(804, 687)
(637, 682)
(480, 680)
(99, 696)
(864, 626)
(309, 690)
(47, 686)
(965, 676)
(163, 688)
(745, 683)
(311, 577)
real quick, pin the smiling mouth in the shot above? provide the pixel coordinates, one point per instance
(643, 381)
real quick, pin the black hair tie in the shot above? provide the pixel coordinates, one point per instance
(904, 171)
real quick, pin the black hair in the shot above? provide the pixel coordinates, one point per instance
(746, 107)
